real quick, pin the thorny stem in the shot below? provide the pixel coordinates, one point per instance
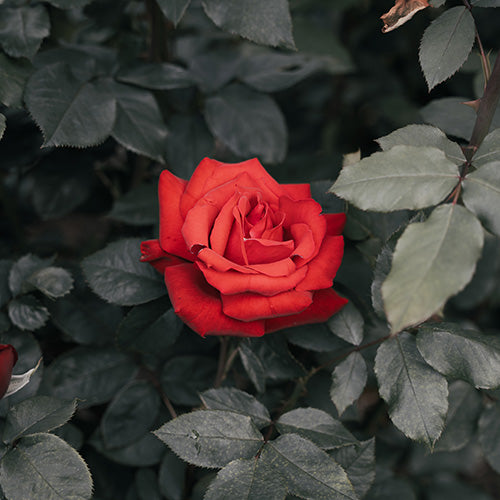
(151, 376)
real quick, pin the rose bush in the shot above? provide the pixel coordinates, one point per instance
(242, 254)
(8, 358)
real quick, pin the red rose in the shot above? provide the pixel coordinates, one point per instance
(243, 255)
(8, 358)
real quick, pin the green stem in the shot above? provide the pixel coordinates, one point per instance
(221, 366)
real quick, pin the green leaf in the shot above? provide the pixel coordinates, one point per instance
(91, 375)
(348, 381)
(272, 72)
(423, 135)
(146, 482)
(481, 195)
(22, 270)
(137, 207)
(37, 414)
(249, 123)
(489, 435)
(211, 438)
(13, 77)
(2, 125)
(317, 426)
(68, 4)
(70, 112)
(253, 367)
(45, 467)
(308, 471)
(232, 399)
(139, 125)
(159, 76)
(5, 267)
(316, 337)
(359, 463)
(171, 476)
(17, 382)
(22, 29)
(403, 177)
(250, 479)
(174, 10)
(486, 3)
(433, 260)
(54, 282)
(117, 275)
(461, 354)
(348, 324)
(391, 488)
(489, 150)
(464, 406)
(183, 377)
(382, 269)
(446, 44)
(415, 393)
(267, 23)
(130, 415)
(27, 313)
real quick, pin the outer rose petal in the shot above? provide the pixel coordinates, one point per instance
(298, 191)
(231, 282)
(323, 268)
(253, 306)
(325, 304)
(8, 358)
(200, 307)
(210, 174)
(334, 223)
(157, 257)
(170, 190)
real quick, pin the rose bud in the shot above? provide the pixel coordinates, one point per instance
(8, 358)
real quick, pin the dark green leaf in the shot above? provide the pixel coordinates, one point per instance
(250, 479)
(70, 112)
(464, 406)
(22, 29)
(382, 268)
(486, 3)
(489, 435)
(423, 135)
(489, 150)
(130, 415)
(150, 329)
(211, 438)
(146, 483)
(316, 337)
(213, 70)
(171, 476)
(348, 381)
(308, 471)
(5, 266)
(19, 381)
(481, 195)
(137, 207)
(461, 354)
(317, 426)
(232, 399)
(403, 177)
(139, 125)
(13, 77)
(117, 275)
(348, 324)
(2, 125)
(27, 313)
(183, 377)
(68, 4)
(162, 76)
(54, 282)
(21, 271)
(415, 393)
(359, 463)
(37, 414)
(264, 22)
(4, 323)
(433, 260)
(446, 44)
(174, 9)
(43, 466)
(249, 123)
(72, 434)
(93, 376)
(253, 366)
(391, 488)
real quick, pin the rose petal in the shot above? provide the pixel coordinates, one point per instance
(261, 251)
(198, 224)
(334, 223)
(157, 257)
(231, 282)
(253, 306)
(211, 173)
(323, 268)
(222, 227)
(170, 190)
(200, 307)
(298, 191)
(304, 241)
(325, 304)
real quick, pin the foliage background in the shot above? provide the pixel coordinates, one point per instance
(97, 97)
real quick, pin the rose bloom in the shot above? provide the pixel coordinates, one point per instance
(242, 254)
(8, 358)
